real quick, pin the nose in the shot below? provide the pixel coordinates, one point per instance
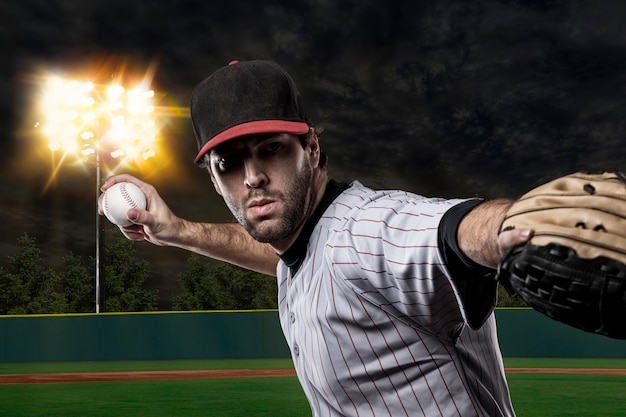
(255, 174)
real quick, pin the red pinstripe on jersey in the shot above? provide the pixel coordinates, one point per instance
(374, 323)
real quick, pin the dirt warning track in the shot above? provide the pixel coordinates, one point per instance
(578, 371)
(69, 377)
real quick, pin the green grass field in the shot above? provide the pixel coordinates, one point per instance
(244, 397)
(568, 395)
(533, 395)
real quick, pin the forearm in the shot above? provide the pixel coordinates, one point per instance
(478, 232)
(228, 242)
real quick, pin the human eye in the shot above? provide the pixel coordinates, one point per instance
(272, 144)
(223, 163)
(226, 163)
(273, 147)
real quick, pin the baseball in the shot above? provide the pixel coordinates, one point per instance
(120, 198)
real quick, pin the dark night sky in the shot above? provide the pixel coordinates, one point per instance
(447, 98)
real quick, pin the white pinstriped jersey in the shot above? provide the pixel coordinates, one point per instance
(374, 323)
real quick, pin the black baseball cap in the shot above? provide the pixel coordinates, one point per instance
(245, 98)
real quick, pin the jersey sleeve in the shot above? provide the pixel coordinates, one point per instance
(386, 249)
(475, 284)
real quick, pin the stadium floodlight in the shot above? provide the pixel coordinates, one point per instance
(90, 122)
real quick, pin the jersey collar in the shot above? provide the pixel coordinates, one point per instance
(296, 253)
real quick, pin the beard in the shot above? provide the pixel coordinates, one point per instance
(295, 197)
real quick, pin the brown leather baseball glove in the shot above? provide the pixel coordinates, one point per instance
(574, 268)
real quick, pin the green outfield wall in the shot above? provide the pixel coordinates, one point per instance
(241, 334)
(527, 333)
(142, 336)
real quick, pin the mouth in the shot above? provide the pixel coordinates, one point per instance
(261, 207)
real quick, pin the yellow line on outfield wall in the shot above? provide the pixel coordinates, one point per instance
(125, 313)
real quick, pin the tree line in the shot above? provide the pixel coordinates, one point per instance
(29, 286)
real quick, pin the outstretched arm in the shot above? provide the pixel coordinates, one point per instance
(478, 235)
(227, 242)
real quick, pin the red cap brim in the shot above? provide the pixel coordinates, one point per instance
(252, 128)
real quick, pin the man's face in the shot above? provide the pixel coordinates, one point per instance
(266, 182)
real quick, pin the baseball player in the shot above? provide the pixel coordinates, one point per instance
(385, 297)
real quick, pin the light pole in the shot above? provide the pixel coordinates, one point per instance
(99, 235)
(99, 122)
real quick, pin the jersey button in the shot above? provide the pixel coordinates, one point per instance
(292, 317)
(296, 349)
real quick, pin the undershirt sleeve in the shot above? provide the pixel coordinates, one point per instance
(475, 284)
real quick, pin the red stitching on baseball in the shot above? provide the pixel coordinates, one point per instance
(127, 197)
